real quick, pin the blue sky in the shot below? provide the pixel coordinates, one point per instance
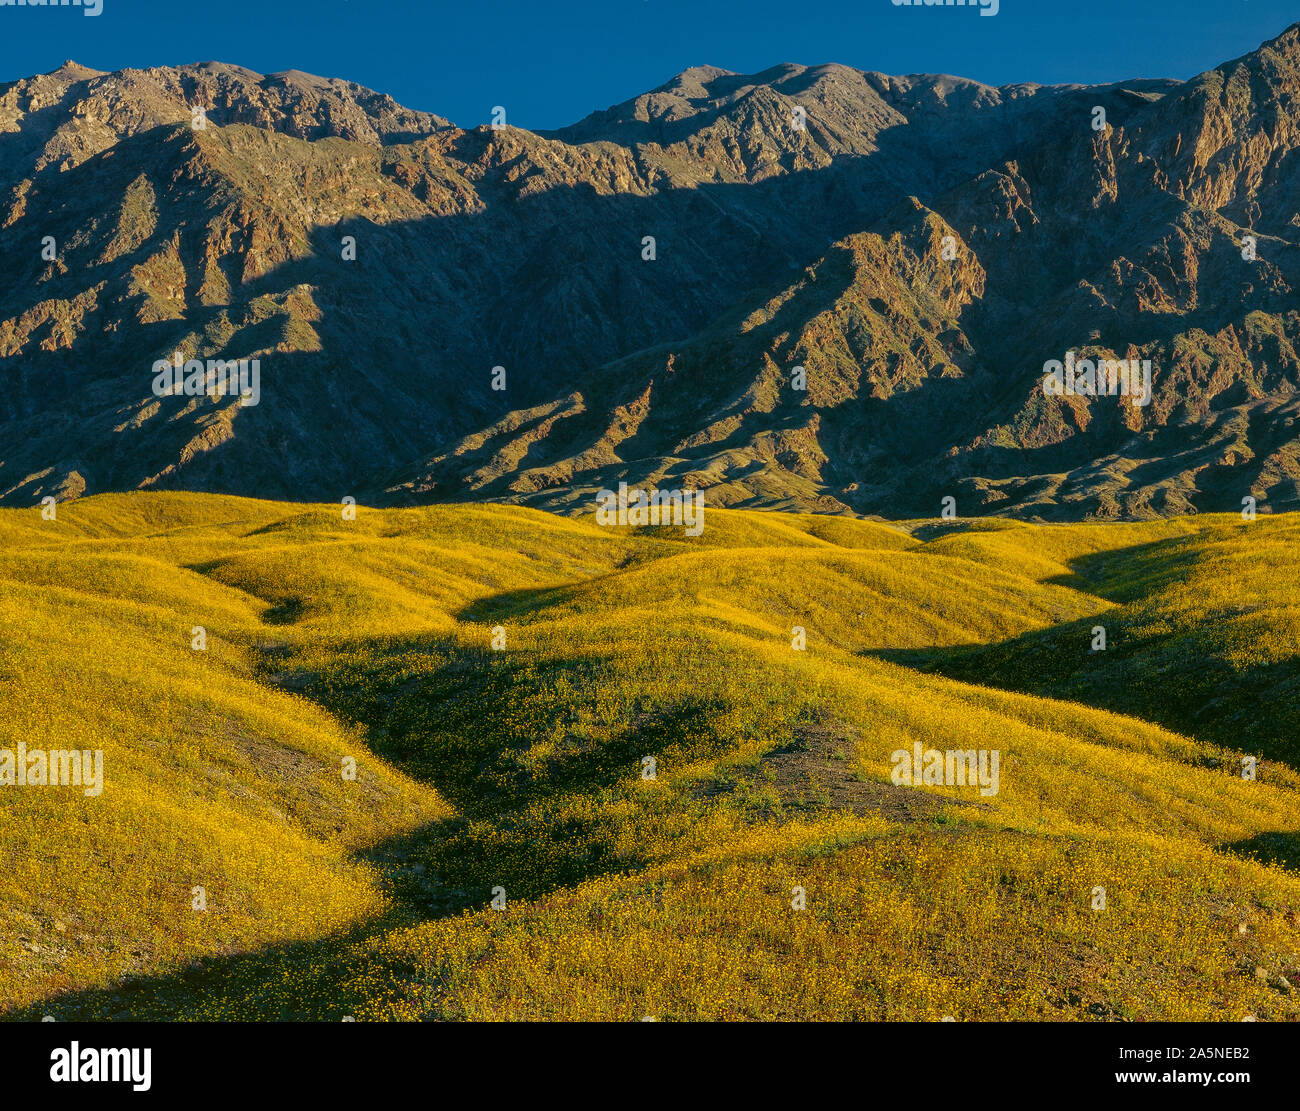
(551, 63)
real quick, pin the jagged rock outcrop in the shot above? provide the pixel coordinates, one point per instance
(921, 246)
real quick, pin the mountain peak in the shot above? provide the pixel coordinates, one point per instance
(1288, 39)
(75, 70)
(230, 243)
(696, 77)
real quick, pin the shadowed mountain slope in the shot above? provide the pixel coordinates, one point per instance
(920, 245)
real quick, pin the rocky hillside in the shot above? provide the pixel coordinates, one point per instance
(920, 246)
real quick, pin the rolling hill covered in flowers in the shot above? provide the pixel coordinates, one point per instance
(473, 761)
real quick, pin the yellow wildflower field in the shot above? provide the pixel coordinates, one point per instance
(481, 762)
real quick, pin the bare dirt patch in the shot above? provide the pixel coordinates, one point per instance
(815, 773)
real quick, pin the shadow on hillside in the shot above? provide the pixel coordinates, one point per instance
(935, 530)
(379, 379)
(260, 986)
(1169, 674)
(463, 724)
(541, 782)
(1274, 847)
(466, 720)
(372, 375)
(516, 603)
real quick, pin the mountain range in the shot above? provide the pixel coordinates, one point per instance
(811, 288)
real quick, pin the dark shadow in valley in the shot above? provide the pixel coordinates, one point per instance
(463, 724)
(261, 985)
(1160, 668)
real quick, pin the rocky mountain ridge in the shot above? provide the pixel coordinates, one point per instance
(649, 280)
